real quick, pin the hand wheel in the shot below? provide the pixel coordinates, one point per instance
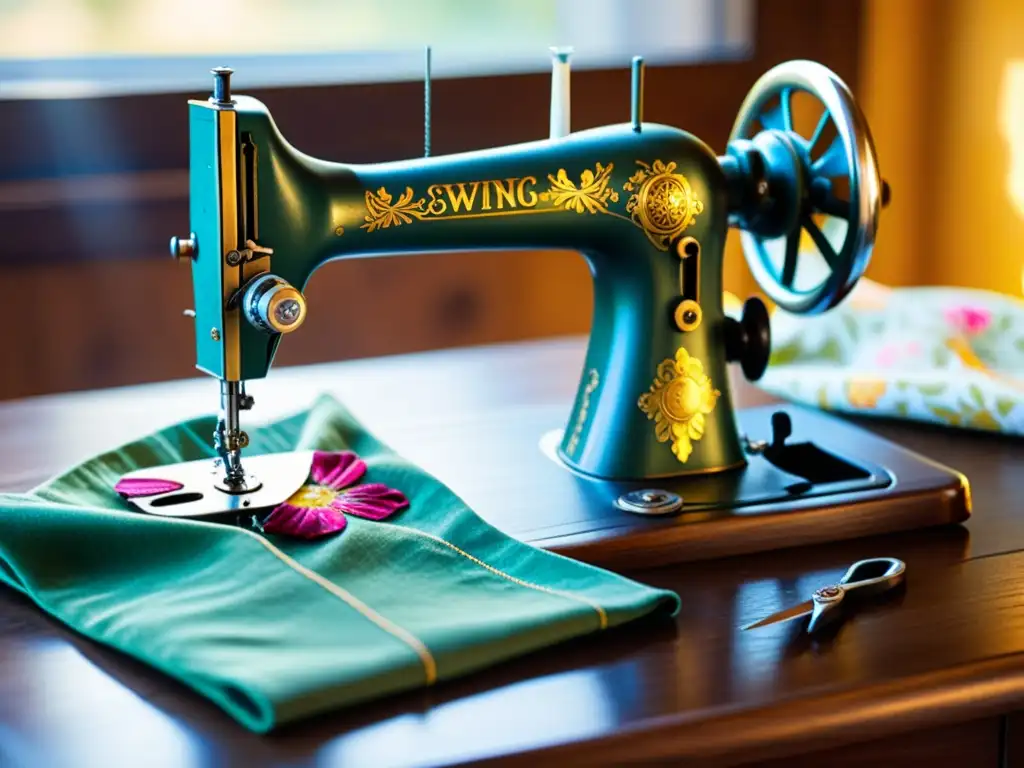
(779, 179)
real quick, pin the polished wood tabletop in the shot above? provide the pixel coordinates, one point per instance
(935, 675)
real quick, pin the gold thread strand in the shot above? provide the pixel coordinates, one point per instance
(601, 614)
(427, 659)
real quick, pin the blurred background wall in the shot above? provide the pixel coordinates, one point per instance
(93, 179)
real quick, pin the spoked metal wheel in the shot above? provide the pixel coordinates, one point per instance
(810, 212)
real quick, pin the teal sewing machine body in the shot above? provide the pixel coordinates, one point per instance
(582, 192)
(655, 463)
(648, 207)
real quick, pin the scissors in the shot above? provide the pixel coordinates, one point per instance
(864, 579)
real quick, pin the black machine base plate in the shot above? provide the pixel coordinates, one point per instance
(829, 481)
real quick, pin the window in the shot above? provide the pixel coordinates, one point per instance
(94, 158)
(85, 48)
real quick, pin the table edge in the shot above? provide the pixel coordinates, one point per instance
(801, 725)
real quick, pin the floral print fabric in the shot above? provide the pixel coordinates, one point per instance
(949, 356)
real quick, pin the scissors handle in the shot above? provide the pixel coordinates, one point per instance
(874, 576)
(863, 579)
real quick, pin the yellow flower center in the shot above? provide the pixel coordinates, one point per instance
(682, 399)
(313, 497)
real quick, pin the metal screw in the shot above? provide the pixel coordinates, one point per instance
(215, 334)
(233, 258)
(649, 501)
(754, 447)
(828, 594)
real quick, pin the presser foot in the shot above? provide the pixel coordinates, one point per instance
(198, 489)
(247, 483)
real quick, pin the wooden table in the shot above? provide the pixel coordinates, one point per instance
(933, 679)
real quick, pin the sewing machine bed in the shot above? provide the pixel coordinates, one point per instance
(851, 483)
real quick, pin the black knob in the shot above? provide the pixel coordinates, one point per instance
(749, 339)
(782, 429)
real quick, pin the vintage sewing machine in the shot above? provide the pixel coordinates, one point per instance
(653, 454)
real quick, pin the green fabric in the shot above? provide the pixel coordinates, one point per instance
(213, 607)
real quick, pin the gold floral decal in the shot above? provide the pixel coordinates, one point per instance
(591, 196)
(581, 416)
(381, 213)
(679, 399)
(663, 203)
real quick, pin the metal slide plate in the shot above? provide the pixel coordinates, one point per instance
(279, 475)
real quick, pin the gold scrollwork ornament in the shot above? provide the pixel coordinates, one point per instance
(678, 402)
(591, 196)
(383, 211)
(663, 203)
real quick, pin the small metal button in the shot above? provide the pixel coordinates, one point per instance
(650, 501)
(184, 248)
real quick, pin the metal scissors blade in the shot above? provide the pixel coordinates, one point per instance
(865, 578)
(805, 608)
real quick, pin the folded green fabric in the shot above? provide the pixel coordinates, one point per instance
(275, 629)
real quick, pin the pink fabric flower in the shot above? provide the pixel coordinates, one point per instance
(969, 320)
(319, 507)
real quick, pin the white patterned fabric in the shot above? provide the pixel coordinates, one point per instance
(950, 356)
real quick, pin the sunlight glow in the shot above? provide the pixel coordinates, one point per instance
(1011, 124)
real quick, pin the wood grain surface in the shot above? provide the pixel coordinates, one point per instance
(928, 678)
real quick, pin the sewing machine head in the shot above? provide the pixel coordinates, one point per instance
(648, 206)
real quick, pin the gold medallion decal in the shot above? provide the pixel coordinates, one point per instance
(663, 203)
(679, 399)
